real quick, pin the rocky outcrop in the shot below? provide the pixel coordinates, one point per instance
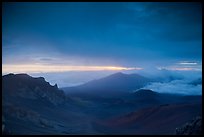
(193, 127)
(25, 86)
(23, 97)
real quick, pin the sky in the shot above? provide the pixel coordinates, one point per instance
(45, 38)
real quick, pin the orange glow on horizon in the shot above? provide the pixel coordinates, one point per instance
(59, 68)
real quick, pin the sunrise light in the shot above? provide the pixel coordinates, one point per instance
(60, 68)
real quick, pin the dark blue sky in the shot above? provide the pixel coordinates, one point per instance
(140, 34)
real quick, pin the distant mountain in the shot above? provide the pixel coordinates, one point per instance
(25, 86)
(115, 83)
(147, 97)
(145, 92)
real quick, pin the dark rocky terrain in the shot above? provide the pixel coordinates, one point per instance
(157, 120)
(194, 127)
(33, 106)
(24, 86)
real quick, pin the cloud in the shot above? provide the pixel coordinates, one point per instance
(46, 59)
(111, 33)
(177, 22)
(180, 68)
(176, 81)
(177, 87)
(184, 66)
(37, 68)
(188, 63)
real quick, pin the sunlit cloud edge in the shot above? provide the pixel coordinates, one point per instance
(28, 68)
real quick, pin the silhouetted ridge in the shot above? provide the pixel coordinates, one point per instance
(113, 84)
(145, 92)
(116, 75)
(26, 86)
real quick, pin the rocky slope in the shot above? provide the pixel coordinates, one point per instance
(194, 127)
(25, 86)
(27, 100)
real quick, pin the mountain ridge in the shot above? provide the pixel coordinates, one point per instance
(117, 82)
(25, 86)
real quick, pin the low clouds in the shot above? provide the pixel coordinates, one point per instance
(177, 87)
(186, 82)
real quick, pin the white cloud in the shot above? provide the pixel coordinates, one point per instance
(188, 62)
(176, 86)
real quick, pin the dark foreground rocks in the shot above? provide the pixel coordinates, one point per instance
(191, 128)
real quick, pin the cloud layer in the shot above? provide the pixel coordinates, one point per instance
(177, 87)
